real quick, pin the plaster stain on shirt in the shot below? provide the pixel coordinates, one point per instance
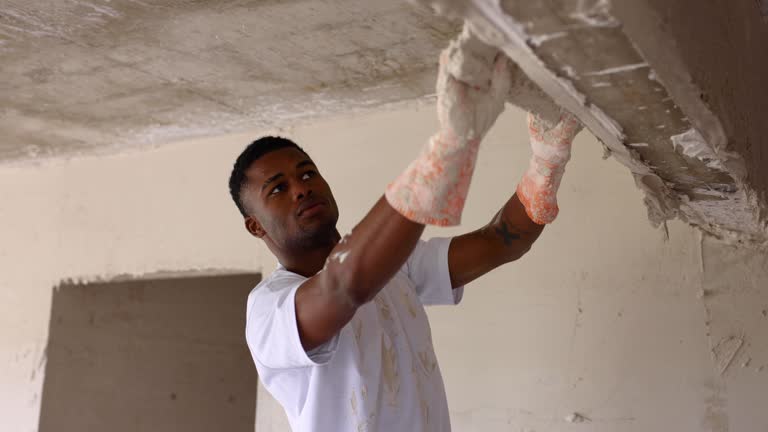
(361, 424)
(389, 372)
(353, 403)
(384, 312)
(428, 360)
(423, 401)
(424, 411)
(408, 303)
(357, 328)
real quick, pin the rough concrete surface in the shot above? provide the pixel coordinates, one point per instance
(80, 77)
(672, 91)
(149, 354)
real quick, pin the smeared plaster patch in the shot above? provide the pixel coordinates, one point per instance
(100, 9)
(708, 191)
(570, 72)
(725, 351)
(537, 40)
(595, 15)
(702, 267)
(471, 60)
(693, 145)
(726, 214)
(29, 24)
(716, 413)
(576, 418)
(660, 205)
(617, 69)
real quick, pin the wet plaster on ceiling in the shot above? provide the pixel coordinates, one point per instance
(672, 91)
(103, 76)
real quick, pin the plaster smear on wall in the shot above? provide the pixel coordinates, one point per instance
(726, 208)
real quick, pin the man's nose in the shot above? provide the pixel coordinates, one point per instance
(301, 190)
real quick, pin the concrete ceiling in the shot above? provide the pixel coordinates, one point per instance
(87, 76)
(674, 90)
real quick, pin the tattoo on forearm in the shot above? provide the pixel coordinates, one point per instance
(506, 235)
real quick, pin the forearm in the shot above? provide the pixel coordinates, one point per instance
(355, 271)
(365, 260)
(513, 230)
(507, 237)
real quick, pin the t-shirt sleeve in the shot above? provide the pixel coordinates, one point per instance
(272, 331)
(427, 268)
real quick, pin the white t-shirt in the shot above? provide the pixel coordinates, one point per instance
(378, 374)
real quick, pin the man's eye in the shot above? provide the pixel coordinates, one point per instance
(277, 189)
(307, 175)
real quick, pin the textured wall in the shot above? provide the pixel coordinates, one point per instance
(149, 354)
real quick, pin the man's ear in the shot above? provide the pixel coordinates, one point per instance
(254, 227)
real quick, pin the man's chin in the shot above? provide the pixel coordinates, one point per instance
(319, 232)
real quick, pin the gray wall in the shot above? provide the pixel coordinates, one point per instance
(150, 355)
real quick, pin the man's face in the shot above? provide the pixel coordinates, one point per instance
(290, 201)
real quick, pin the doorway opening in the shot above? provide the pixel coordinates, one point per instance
(151, 354)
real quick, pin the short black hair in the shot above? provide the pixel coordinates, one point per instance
(254, 151)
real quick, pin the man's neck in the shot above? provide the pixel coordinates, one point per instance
(310, 261)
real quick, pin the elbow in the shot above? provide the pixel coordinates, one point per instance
(359, 289)
(348, 287)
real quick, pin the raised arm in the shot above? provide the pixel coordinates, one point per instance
(357, 268)
(431, 190)
(522, 219)
(506, 238)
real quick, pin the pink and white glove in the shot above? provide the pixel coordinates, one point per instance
(433, 189)
(551, 146)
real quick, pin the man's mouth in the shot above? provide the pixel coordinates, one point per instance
(311, 207)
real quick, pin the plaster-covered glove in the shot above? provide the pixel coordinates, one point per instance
(551, 146)
(433, 189)
(471, 60)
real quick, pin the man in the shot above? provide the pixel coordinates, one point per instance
(338, 332)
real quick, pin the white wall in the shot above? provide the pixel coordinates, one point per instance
(603, 317)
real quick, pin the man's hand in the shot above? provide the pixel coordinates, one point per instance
(470, 61)
(551, 147)
(467, 111)
(434, 187)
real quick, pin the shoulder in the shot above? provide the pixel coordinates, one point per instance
(272, 291)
